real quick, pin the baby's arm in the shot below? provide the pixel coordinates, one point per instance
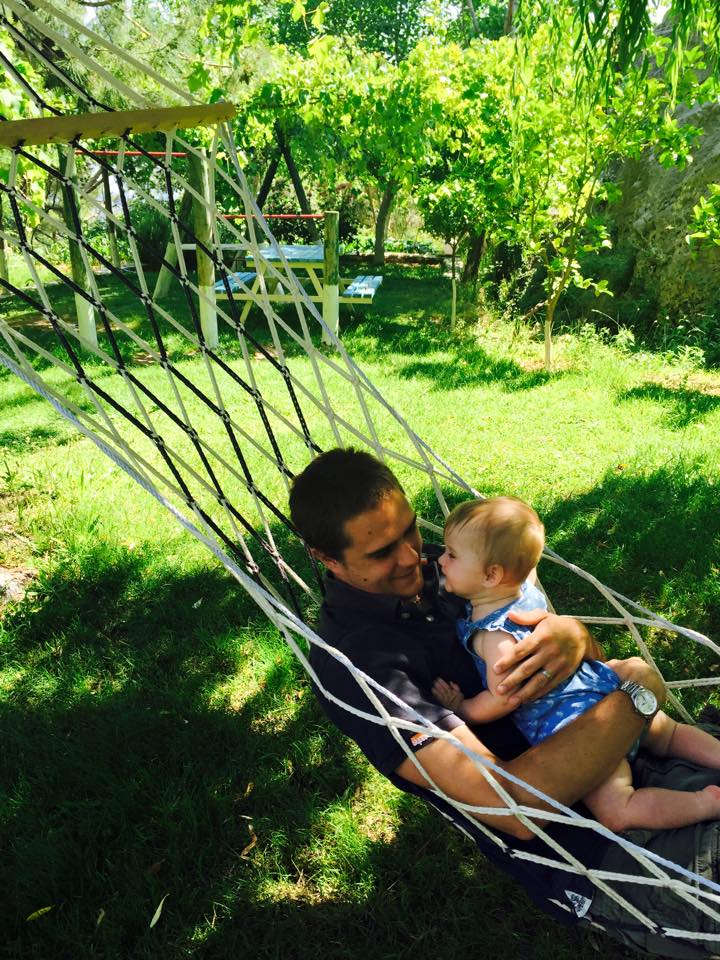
(489, 704)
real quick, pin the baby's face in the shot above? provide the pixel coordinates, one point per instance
(462, 565)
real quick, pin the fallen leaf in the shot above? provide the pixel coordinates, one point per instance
(252, 843)
(39, 913)
(156, 915)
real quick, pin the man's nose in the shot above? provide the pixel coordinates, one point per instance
(408, 554)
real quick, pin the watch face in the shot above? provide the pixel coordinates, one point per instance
(645, 702)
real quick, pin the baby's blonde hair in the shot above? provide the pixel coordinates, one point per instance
(504, 530)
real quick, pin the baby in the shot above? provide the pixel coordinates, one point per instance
(491, 550)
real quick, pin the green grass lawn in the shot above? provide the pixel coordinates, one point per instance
(160, 741)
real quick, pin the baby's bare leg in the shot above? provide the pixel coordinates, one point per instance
(666, 738)
(617, 805)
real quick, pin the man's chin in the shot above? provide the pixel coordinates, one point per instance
(410, 585)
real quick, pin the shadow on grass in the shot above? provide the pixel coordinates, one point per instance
(162, 725)
(683, 406)
(473, 367)
(131, 772)
(121, 779)
(27, 438)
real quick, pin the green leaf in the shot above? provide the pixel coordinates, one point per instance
(318, 17)
(197, 78)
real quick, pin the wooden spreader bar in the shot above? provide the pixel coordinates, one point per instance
(91, 126)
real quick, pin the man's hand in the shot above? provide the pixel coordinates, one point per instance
(543, 659)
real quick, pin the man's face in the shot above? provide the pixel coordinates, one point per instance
(463, 567)
(384, 553)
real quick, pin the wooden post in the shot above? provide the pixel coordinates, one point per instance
(198, 177)
(162, 284)
(85, 311)
(110, 223)
(331, 273)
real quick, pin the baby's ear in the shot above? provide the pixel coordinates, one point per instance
(494, 574)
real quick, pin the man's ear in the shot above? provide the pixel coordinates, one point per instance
(327, 561)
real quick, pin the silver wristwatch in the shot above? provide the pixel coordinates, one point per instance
(644, 700)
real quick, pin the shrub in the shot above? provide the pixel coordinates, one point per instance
(152, 233)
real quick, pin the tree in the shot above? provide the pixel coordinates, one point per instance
(537, 134)
(610, 35)
(391, 28)
(451, 210)
(374, 120)
(560, 189)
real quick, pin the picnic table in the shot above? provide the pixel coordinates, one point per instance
(308, 259)
(316, 266)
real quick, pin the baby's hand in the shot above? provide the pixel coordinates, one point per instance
(448, 694)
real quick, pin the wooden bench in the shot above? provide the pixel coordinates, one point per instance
(360, 290)
(234, 281)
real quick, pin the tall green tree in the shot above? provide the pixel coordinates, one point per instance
(375, 119)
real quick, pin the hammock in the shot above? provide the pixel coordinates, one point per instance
(218, 449)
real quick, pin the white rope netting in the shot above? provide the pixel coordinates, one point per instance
(215, 432)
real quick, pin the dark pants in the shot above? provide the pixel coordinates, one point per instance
(697, 848)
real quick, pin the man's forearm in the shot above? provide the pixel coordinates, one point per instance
(583, 754)
(580, 756)
(566, 767)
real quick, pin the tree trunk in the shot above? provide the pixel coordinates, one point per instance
(476, 251)
(381, 225)
(202, 217)
(164, 278)
(549, 317)
(473, 17)
(3, 258)
(296, 181)
(71, 216)
(453, 312)
(268, 179)
(239, 258)
(509, 16)
(109, 222)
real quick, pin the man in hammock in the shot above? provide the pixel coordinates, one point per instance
(384, 611)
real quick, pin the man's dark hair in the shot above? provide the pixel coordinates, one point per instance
(334, 488)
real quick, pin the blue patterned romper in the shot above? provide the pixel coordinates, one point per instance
(540, 718)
